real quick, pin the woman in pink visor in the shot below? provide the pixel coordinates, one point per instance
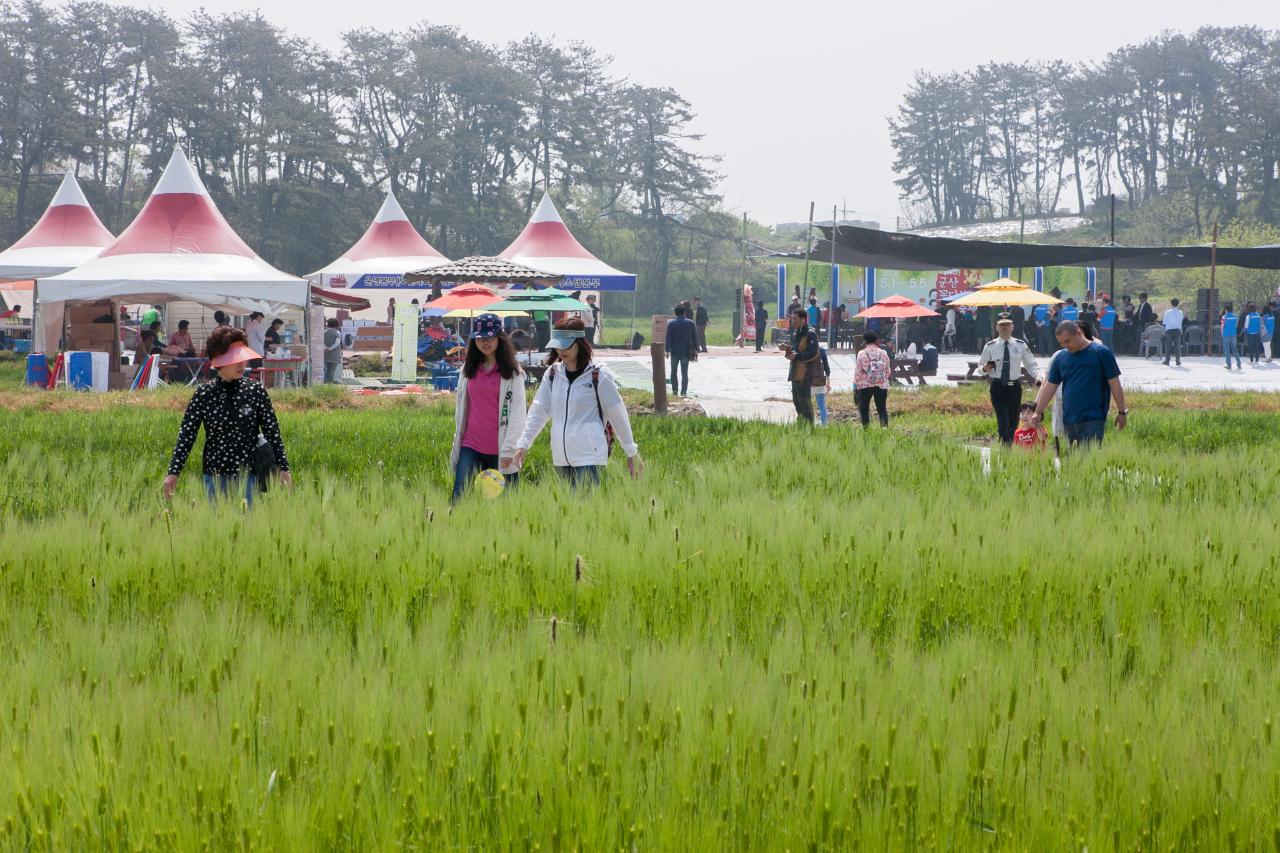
(237, 415)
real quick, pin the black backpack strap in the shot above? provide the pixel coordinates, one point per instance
(595, 382)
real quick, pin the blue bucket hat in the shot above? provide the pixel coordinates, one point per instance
(486, 326)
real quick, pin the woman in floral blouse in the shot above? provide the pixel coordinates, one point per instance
(871, 379)
(234, 411)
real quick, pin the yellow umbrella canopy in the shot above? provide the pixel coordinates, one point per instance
(1005, 291)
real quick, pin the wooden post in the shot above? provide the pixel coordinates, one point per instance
(657, 353)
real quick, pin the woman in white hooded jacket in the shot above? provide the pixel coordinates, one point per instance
(581, 400)
(490, 411)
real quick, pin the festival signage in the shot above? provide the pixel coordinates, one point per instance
(404, 344)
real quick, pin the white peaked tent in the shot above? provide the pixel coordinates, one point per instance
(389, 249)
(179, 248)
(545, 244)
(68, 234)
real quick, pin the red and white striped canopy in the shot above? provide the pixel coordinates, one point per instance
(67, 235)
(546, 244)
(179, 248)
(390, 248)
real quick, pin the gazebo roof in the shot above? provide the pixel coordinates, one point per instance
(486, 270)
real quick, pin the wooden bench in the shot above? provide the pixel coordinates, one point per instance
(905, 370)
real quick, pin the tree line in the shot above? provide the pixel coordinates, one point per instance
(297, 144)
(1193, 116)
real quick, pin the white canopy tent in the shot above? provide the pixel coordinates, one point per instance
(66, 235)
(376, 264)
(179, 247)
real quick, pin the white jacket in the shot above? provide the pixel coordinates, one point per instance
(577, 432)
(511, 416)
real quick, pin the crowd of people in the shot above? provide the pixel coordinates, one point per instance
(493, 427)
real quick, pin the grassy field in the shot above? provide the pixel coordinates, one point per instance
(780, 639)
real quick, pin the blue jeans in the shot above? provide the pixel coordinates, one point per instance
(820, 397)
(1230, 347)
(580, 475)
(222, 485)
(1109, 339)
(679, 363)
(470, 463)
(1253, 344)
(1086, 432)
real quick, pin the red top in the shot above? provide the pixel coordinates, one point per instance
(481, 430)
(1028, 437)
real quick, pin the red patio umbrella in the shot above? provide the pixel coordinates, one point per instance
(467, 297)
(896, 308)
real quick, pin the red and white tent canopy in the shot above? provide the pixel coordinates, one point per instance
(179, 248)
(378, 261)
(545, 244)
(67, 235)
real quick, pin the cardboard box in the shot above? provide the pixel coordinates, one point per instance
(88, 313)
(373, 339)
(93, 332)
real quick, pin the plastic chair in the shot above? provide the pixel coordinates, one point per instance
(1193, 338)
(1152, 340)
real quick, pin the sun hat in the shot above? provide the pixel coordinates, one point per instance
(236, 354)
(486, 326)
(565, 338)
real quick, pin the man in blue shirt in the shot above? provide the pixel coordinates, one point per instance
(814, 314)
(1071, 311)
(1089, 377)
(1269, 323)
(1044, 335)
(1107, 324)
(681, 344)
(1253, 332)
(1230, 333)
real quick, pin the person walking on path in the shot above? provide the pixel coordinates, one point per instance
(803, 355)
(490, 411)
(1173, 320)
(591, 317)
(1253, 332)
(701, 319)
(871, 371)
(1107, 324)
(1230, 328)
(820, 392)
(682, 345)
(1003, 359)
(332, 350)
(762, 324)
(1089, 377)
(237, 416)
(581, 400)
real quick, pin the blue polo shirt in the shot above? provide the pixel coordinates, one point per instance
(1082, 377)
(1253, 323)
(1070, 312)
(815, 315)
(1042, 314)
(1230, 328)
(1269, 323)
(1108, 318)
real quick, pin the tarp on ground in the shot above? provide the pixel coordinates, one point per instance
(867, 247)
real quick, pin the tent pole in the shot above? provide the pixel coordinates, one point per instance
(306, 335)
(835, 284)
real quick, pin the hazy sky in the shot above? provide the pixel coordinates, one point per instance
(794, 96)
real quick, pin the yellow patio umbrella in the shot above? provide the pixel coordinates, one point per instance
(1005, 291)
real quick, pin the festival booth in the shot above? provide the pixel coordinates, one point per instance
(546, 244)
(179, 248)
(66, 235)
(377, 263)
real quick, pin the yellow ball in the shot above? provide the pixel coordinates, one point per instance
(490, 482)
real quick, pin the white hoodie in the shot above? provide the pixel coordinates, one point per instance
(577, 431)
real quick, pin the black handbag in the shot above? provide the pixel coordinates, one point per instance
(263, 464)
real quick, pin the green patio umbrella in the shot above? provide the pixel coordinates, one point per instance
(547, 299)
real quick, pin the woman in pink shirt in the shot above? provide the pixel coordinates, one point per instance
(490, 413)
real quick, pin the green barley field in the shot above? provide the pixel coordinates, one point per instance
(780, 639)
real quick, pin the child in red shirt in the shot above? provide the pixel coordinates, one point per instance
(1028, 435)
